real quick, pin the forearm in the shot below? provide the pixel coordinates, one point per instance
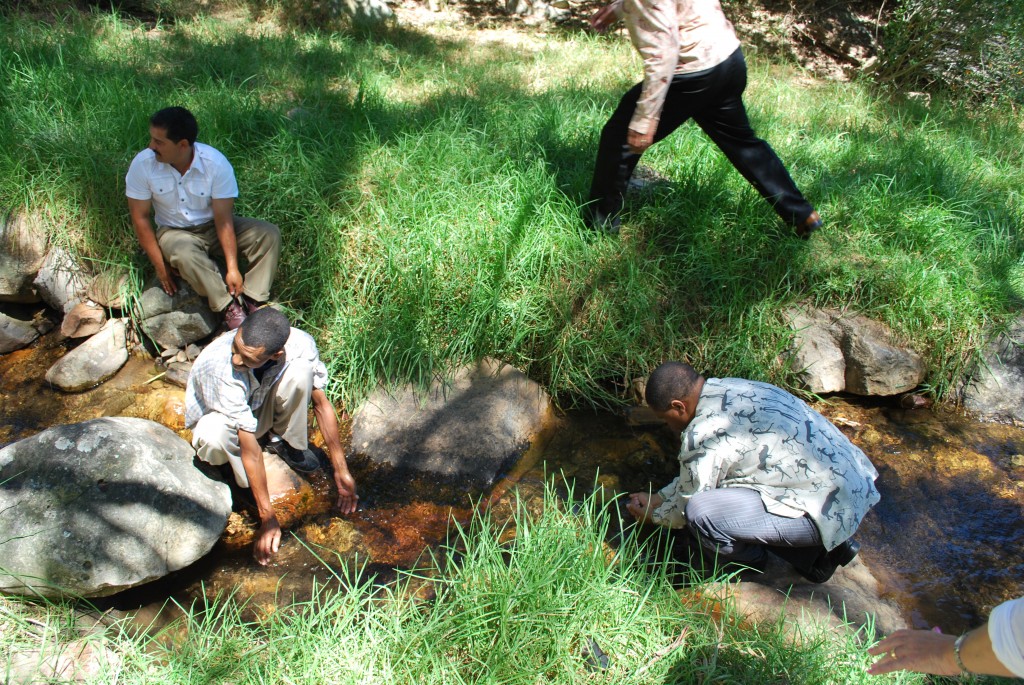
(228, 242)
(145, 233)
(327, 420)
(256, 472)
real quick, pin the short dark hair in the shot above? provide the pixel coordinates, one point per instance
(670, 381)
(267, 328)
(178, 122)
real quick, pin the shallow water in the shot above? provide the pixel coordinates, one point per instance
(946, 541)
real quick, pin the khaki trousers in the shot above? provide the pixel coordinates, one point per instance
(285, 413)
(190, 251)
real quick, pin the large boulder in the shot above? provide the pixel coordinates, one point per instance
(175, 321)
(15, 334)
(995, 390)
(835, 352)
(93, 508)
(61, 280)
(92, 362)
(468, 429)
(22, 249)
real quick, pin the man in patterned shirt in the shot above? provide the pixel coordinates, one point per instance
(759, 471)
(259, 381)
(693, 68)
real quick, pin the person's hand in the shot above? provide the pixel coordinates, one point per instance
(165, 274)
(641, 504)
(233, 280)
(922, 651)
(347, 497)
(268, 541)
(638, 142)
(604, 18)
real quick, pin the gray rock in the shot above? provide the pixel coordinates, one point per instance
(175, 321)
(816, 356)
(192, 351)
(22, 249)
(851, 596)
(15, 334)
(108, 289)
(84, 319)
(92, 362)
(177, 373)
(93, 508)
(469, 429)
(835, 352)
(995, 390)
(61, 280)
(873, 365)
(367, 12)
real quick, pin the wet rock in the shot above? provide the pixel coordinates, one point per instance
(93, 508)
(107, 289)
(995, 390)
(853, 594)
(468, 429)
(177, 373)
(61, 280)
(22, 250)
(173, 413)
(175, 321)
(92, 362)
(835, 352)
(15, 334)
(84, 319)
(290, 494)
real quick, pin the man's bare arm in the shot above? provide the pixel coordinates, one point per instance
(328, 422)
(224, 220)
(268, 539)
(139, 212)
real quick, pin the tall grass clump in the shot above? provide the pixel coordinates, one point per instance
(428, 186)
(541, 600)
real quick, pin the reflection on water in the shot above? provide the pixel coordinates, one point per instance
(946, 541)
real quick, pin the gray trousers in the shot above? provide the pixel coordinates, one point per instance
(733, 524)
(285, 413)
(190, 251)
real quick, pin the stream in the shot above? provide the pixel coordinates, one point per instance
(946, 542)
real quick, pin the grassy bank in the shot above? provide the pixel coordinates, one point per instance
(527, 611)
(428, 184)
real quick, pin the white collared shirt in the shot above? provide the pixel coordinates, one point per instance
(1006, 630)
(182, 201)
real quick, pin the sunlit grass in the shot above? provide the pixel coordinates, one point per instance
(428, 188)
(520, 603)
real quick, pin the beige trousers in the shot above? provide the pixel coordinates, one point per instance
(190, 251)
(284, 413)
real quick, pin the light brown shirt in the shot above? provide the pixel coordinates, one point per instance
(673, 37)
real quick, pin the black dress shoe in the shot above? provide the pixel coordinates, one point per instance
(827, 562)
(809, 225)
(303, 461)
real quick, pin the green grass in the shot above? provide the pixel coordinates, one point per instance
(428, 190)
(498, 611)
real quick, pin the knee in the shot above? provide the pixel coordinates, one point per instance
(213, 434)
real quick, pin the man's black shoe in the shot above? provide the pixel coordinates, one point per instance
(597, 220)
(303, 461)
(827, 562)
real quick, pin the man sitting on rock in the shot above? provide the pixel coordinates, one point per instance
(759, 471)
(258, 381)
(191, 188)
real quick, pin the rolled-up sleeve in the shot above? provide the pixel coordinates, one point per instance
(1006, 631)
(654, 30)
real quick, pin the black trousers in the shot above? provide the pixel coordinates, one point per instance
(714, 99)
